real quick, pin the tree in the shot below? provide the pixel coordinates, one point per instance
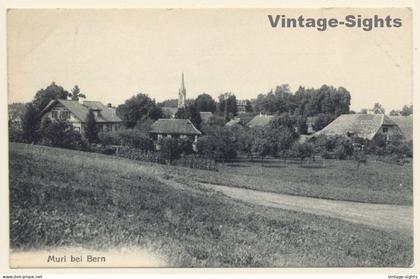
(169, 149)
(135, 139)
(378, 109)
(204, 102)
(61, 134)
(190, 112)
(248, 106)
(322, 121)
(185, 146)
(137, 109)
(407, 110)
(227, 105)
(261, 145)
(44, 96)
(305, 102)
(76, 94)
(218, 143)
(30, 124)
(394, 113)
(303, 150)
(91, 129)
(169, 103)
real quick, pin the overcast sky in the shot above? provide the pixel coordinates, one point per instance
(114, 54)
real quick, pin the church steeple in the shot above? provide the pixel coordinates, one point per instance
(182, 94)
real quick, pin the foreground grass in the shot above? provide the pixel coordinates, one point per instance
(69, 198)
(376, 182)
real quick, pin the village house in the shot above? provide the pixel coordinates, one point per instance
(365, 126)
(76, 114)
(260, 120)
(241, 106)
(173, 127)
(406, 125)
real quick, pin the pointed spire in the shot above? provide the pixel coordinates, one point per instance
(182, 95)
(182, 82)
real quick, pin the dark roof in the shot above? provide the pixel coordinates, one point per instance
(81, 111)
(108, 114)
(174, 126)
(233, 121)
(361, 125)
(260, 120)
(406, 125)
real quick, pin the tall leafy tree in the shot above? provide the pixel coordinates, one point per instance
(75, 93)
(44, 96)
(407, 110)
(378, 109)
(227, 105)
(190, 112)
(204, 102)
(30, 123)
(91, 129)
(138, 108)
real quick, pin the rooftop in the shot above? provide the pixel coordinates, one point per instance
(174, 126)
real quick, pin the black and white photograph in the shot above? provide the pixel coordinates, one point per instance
(210, 137)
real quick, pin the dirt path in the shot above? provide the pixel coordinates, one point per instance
(382, 216)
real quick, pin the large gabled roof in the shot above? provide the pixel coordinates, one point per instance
(82, 110)
(360, 125)
(260, 120)
(108, 114)
(174, 126)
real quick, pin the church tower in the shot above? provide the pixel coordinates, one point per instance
(182, 94)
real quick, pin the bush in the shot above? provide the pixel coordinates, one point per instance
(169, 149)
(61, 134)
(219, 143)
(15, 134)
(128, 137)
(221, 148)
(303, 150)
(333, 147)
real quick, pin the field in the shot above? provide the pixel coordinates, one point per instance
(61, 198)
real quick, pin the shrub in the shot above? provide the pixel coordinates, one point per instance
(303, 150)
(169, 149)
(15, 134)
(185, 146)
(109, 138)
(219, 143)
(128, 137)
(91, 129)
(61, 134)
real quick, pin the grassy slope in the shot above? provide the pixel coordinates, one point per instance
(62, 197)
(378, 182)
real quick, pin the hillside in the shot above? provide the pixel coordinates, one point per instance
(62, 198)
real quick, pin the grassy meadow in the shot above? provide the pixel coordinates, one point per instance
(69, 198)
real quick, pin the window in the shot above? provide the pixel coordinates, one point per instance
(385, 129)
(54, 114)
(64, 115)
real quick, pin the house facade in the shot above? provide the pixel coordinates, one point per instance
(174, 128)
(76, 114)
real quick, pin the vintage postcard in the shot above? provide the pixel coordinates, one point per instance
(210, 137)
